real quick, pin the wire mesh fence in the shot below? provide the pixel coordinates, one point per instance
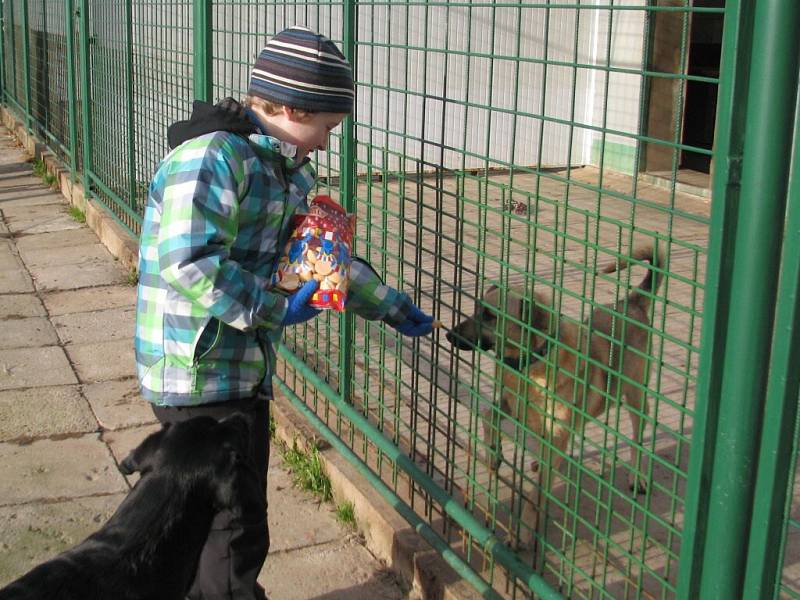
(509, 159)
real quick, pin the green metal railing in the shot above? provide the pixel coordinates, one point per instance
(524, 145)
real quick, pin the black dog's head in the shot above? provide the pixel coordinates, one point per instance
(209, 453)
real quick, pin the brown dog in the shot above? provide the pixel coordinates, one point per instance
(573, 367)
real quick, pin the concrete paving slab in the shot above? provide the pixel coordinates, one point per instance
(18, 306)
(15, 168)
(79, 254)
(19, 212)
(70, 277)
(57, 239)
(54, 469)
(118, 404)
(34, 225)
(287, 532)
(22, 187)
(44, 412)
(8, 258)
(86, 299)
(27, 332)
(37, 197)
(33, 533)
(96, 325)
(340, 570)
(15, 281)
(103, 361)
(34, 367)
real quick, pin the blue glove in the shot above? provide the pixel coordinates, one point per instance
(417, 323)
(297, 308)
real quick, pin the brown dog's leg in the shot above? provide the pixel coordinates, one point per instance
(637, 406)
(491, 420)
(530, 498)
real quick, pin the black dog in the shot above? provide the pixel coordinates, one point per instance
(149, 549)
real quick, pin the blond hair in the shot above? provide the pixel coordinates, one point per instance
(272, 108)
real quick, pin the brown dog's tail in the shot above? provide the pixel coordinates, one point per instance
(652, 280)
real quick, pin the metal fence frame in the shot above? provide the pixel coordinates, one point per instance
(742, 469)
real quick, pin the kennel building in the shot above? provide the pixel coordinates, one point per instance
(517, 146)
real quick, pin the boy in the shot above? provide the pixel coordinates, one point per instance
(217, 217)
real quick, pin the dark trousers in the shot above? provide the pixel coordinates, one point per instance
(236, 548)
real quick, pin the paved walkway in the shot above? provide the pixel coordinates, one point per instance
(70, 411)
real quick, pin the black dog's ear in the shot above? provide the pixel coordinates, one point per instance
(140, 458)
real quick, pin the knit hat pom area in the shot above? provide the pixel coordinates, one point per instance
(302, 69)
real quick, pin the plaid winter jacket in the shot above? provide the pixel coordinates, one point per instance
(217, 216)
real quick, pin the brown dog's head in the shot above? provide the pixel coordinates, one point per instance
(500, 321)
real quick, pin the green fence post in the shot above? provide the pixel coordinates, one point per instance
(347, 172)
(201, 38)
(8, 38)
(130, 116)
(72, 103)
(747, 223)
(773, 484)
(86, 103)
(26, 63)
(3, 42)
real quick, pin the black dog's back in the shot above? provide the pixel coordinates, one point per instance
(72, 575)
(149, 549)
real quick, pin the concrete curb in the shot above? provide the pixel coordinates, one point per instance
(387, 535)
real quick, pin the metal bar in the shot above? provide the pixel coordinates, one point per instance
(3, 42)
(97, 183)
(486, 539)
(746, 230)
(773, 484)
(347, 182)
(12, 28)
(26, 63)
(72, 104)
(131, 123)
(419, 525)
(201, 32)
(86, 104)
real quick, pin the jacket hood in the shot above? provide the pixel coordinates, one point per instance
(227, 115)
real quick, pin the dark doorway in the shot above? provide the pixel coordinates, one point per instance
(700, 106)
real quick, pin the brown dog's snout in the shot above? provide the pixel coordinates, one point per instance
(470, 335)
(453, 336)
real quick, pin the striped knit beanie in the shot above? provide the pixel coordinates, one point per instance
(302, 69)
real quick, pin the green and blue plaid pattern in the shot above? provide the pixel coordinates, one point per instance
(217, 216)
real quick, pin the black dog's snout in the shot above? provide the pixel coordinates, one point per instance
(126, 467)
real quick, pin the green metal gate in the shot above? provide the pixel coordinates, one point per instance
(523, 145)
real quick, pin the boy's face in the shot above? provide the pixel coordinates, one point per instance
(309, 131)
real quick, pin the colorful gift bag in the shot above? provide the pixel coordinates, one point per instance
(319, 248)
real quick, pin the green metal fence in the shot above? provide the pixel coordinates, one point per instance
(527, 146)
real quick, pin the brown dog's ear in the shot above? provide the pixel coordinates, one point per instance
(141, 458)
(540, 319)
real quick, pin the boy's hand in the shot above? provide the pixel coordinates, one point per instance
(417, 323)
(297, 308)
